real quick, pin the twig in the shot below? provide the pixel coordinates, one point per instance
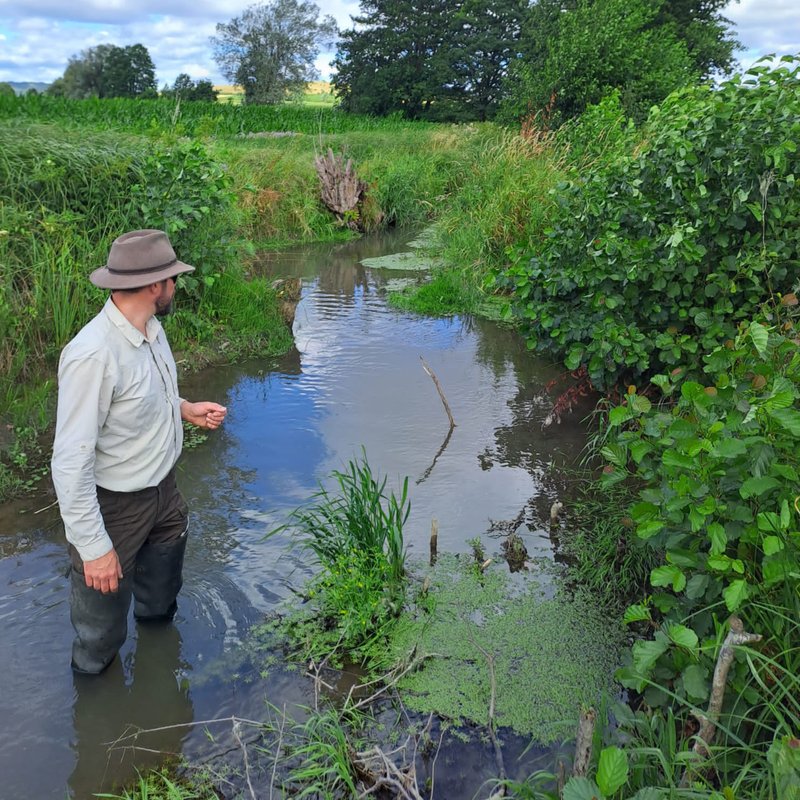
(498, 753)
(397, 676)
(438, 389)
(434, 539)
(736, 637)
(246, 759)
(143, 731)
(278, 747)
(54, 503)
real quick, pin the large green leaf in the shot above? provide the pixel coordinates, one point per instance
(735, 594)
(668, 576)
(612, 770)
(581, 789)
(788, 418)
(760, 336)
(683, 636)
(647, 651)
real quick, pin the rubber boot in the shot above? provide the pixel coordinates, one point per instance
(158, 578)
(100, 622)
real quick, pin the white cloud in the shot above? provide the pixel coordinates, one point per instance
(765, 26)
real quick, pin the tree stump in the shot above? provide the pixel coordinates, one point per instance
(341, 189)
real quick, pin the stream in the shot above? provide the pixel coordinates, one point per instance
(353, 381)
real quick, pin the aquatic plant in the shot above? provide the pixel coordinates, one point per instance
(356, 535)
(551, 655)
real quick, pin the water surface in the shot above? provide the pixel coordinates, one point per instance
(354, 383)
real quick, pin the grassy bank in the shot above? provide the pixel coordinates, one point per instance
(75, 174)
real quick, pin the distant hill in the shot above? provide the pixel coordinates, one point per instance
(20, 87)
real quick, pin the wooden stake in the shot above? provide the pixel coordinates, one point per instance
(434, 540)
(583, 743)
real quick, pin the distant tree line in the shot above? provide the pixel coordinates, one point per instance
(446, 60)
(475, 59)
(108, 71)
(185, 88)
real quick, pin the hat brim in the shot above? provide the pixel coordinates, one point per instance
(106, 279)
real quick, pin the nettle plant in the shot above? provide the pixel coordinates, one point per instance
(719, 464)
(657, 258)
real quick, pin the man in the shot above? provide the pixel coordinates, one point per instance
(118, 438)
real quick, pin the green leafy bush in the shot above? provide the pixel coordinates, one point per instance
(656, 259)
(719, 469)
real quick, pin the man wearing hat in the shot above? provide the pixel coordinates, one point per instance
(118, 438)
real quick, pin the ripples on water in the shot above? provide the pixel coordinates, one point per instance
(354, 380)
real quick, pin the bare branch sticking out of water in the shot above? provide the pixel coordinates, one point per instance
(438, 386)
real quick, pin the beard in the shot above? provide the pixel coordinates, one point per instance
(164, 308)
(164, 304)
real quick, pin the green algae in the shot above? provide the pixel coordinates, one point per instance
(552, 655)
(410, 261)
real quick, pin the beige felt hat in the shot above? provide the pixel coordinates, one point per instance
(138, 259)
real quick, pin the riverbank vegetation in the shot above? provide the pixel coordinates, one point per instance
(659, 263)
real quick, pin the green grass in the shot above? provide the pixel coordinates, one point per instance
(355, 533)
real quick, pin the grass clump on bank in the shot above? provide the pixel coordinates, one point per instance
(356, 537)
(64, 197)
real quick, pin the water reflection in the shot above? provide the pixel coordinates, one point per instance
(149, 692)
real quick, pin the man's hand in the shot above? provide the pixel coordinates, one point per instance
(104, 573)
(204, 415)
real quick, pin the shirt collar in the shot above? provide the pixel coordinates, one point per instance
(129, 331)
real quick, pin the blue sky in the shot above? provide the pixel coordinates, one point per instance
(38, 36)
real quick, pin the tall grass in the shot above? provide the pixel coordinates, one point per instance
(360, 518)
(356, 535)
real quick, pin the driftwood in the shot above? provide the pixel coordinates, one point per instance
(439, 389)
(736, 637)
(434, 539)
(341, 189)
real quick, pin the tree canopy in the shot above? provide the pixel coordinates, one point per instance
(108, 71)
(187, 89)
(465, 59)
(270, 49)
(438, 59)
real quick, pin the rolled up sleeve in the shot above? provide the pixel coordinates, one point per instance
(84, 397)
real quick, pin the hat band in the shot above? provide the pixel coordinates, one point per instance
(143, 270)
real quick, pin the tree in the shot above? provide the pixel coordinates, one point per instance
(574, 54)
(187, 89)
(7, 90)
(270, 49)
(708, 35)
(575, 51)
(441, 59)
(110, 71)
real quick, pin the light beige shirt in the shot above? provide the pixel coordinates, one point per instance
(118, 423)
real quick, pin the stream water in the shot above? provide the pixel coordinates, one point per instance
(354, 380)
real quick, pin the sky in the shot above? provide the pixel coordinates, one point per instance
(37, 37)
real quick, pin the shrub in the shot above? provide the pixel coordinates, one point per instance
(656, 259)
